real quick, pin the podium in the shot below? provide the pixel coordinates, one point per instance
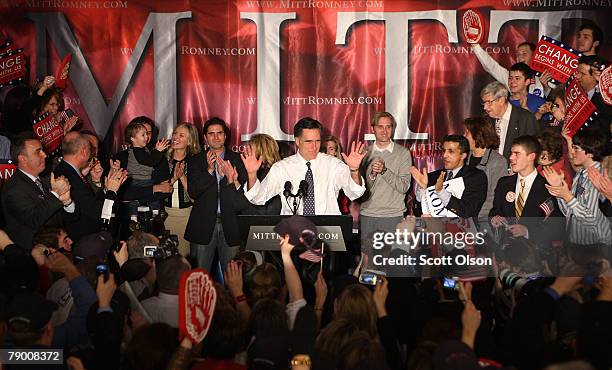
(257, 231)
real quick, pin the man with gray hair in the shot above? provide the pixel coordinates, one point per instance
(510, 122)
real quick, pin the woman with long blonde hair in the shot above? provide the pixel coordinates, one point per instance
(185, 143)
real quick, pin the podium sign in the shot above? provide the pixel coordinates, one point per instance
(263, 238)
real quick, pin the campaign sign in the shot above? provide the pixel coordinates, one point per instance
(432, 204)
(7, 169)
(473, 27)
(197, 299)
(605, 85)
(6, 47)
(49, 132)
(553, 56)
(579, 110)
(12, 67)
(61, 75)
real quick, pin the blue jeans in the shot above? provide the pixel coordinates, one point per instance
(205, 253)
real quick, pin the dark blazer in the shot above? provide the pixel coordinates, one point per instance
(89, 202)
(605, 114)
(473, 196)
(532, 216)
(522, 122)
(202, 188)
(27, 210)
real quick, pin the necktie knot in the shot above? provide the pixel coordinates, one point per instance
(449, 175)
(523, 183)
(308, 164)
(40, 185)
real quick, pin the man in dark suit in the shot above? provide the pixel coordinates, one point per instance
(456, 149)
(586, 73)
(213, 225)
(509, 121)
(522, 202)
(30, 202)
(76, 151)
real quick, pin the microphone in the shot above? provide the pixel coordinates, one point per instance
(287, 191)
(303, 188)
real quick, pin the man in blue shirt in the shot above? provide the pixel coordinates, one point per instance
(519, 79)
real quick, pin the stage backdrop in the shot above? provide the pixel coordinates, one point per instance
(262, 65)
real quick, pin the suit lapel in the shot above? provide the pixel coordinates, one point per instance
(534, 199)
(512, 131)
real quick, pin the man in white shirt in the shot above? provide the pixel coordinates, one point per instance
(325, 174)
(509, 122)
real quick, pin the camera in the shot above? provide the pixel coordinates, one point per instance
(450, 283)
(168, 247)
(514, 280)
(371, 277)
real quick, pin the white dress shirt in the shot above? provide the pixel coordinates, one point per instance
(504, 122)
(69, 208)
(329, 175)
(529, 179)
(389, 147)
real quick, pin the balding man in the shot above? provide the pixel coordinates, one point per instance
(76, 151)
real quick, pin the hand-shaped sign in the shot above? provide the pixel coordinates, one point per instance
(197, 299)
(473, 27)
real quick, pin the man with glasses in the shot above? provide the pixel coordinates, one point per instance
(580, 204)
(509, 122)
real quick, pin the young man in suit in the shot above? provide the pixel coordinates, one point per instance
(510, 122)
(213, 225)
(521, 201)
(30, 202)
(456, 149)
(76, 151)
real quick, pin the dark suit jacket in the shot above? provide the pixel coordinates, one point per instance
(605, 114)
(26, 210)
(473, 196)
(89, 202)
(532, 216)
(202, 188)
(522, 122)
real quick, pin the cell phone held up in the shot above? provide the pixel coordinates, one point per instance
(371, 277)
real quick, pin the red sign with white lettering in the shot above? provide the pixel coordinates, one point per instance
(49, 132)
(578, 108)
(7, 169)
(197, 299)
(61, 75)
(12, 67)
(605, 85)
(553, 56)
(473, 26)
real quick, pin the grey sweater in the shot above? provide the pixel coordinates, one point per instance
(385, 194)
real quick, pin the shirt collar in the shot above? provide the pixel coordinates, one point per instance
(71, 165)
(33, 178)
(456, 171)
(303, 160)
(389, 148)
(507, 113)
(529, 178)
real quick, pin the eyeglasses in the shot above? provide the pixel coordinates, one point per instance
(489, 102)
(576, 148)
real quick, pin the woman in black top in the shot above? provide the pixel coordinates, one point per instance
(185, 143)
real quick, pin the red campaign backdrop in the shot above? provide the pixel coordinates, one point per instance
(216, 60)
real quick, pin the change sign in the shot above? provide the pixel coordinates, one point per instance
(49, 132)
(559, 59)
(578, 108)
(12, 67)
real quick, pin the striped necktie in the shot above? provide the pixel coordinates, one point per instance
(520, 201)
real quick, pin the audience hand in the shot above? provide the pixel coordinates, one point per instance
(163, 187)
(553, 177)
(96, 171)
(122, 256)
(250, 160)
(545, 78)
(4, 240)
(38, 253)
(470, 319)
(60, 184)
(498, 221)
(358, 151)
(381, 291)
(59, 263)
(211, 159)
(115, 179)
(320, 292)
(562, 191)
(162, 145)
(70, 123)
(517, 230)
(105, 290)
(419, 176)
(285, 246)
(440, 182)
(601, 182)
(179, 171)
(233, 278)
